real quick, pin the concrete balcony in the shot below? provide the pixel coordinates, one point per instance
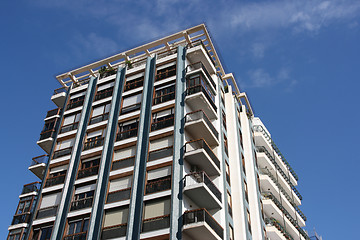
(262, 138)
(198, 125)
(59, 97)
(202, 191)
(199, 225)
(198, 53)
(272, 207)
(198, 153)
(275, 231)
(38, 165)
(267, 161)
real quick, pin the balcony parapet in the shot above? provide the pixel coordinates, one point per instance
(263, 150)
(31, 187)
(201, 144)
(259, 128)
(21, 218)
(200, 114)
(156, 223)
(202, 177)
(104, 94)
(269, 195)
(127, 134)
(52, 181)
(119, 195)
(60, 90)
(94, 143)
(202, 215)
(160, 153)
(39, 160)
(62, 152)
(157, 186)
(123, 163)
(167, 122)
(53, 112)
(76, 236)
(87, 172)
(69, 127)
(275, 223)
(100, 118)
(81, 203)
(112, 232)
(47, 212)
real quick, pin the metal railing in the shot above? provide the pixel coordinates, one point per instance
(100, 118)
(119, 195)
(123, 163)
(200, 114)
(81, 203)
(199, 42)
(201, 144)
(60, 90)
(21, 218)
(114, 231)
(156, 223)
(52, 181)
(127, 134)
(165, 73)
(262, 149)
(62, 152)
(157, 186)
(269, 195)
(46, 212)
(94, 143)
(160, 153)
(202, 177)
(76, 236)
(259, 128)
(75, 104)
(47, 134)
(104, 94)
(53, 112)
(31, 187)
(69, 127)
(39, 160)
(200, 65)
(163, 123)
(133, 84)
(164, 98)
(275, 223)
(202, 215)
(87, 172)
(200, 88)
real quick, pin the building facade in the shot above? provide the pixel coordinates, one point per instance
(157, 143)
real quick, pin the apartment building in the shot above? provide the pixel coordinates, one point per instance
(157, 142)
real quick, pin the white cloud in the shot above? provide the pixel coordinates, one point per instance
(298, 15)
(258, 50)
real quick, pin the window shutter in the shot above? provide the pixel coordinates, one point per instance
(86, 188)
(132, 100)
(105, 86)
(120, 183)
(124, 153)
(156, 209)
(161, 143)
(116, 216)
(164, 113)
(67, 143)
(50, 200)
(76, 95)
(69, 120)
(98, 111)
(59, 169)
(94, 134)
(159, 173)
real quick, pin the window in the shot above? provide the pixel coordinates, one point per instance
(249, 220)
(222, 96)
(231, 230)
(100, 113)
(229, 203)
(70, 122)
(165, 71)
(243, 164)
(164, 93)
(104, 90)
(158, 180)
(223, 118)
(163, 119)
(226, 145)
(227, 173)
(124, 158)
(78, 226)
(83, 197)
(161, 148)
(127, 129)
(76, 100)
(68, 143)
(56, 176)
(43, 233)
(131, 103)
(89, 167)
(120, 183)
(134, 81)
(15, 234)
(246, 191)
(94, 139)
(24, 205)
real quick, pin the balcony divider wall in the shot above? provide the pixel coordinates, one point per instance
(106, 158)
(64, 206)
(137, 193)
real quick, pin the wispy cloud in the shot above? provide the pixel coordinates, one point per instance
(258, 50)
(260, 78)
(297, 15)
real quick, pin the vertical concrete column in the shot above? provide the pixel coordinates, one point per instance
(60, 221)
(137, 193)
(177, 172)
(94, 231)
(57, 130)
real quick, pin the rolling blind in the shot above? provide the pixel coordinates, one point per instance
(50, 200)
(159, 173)
(120, 183)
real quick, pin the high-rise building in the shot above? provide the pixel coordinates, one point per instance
(157, 143)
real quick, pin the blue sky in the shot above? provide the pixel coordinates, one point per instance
(298, 61)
